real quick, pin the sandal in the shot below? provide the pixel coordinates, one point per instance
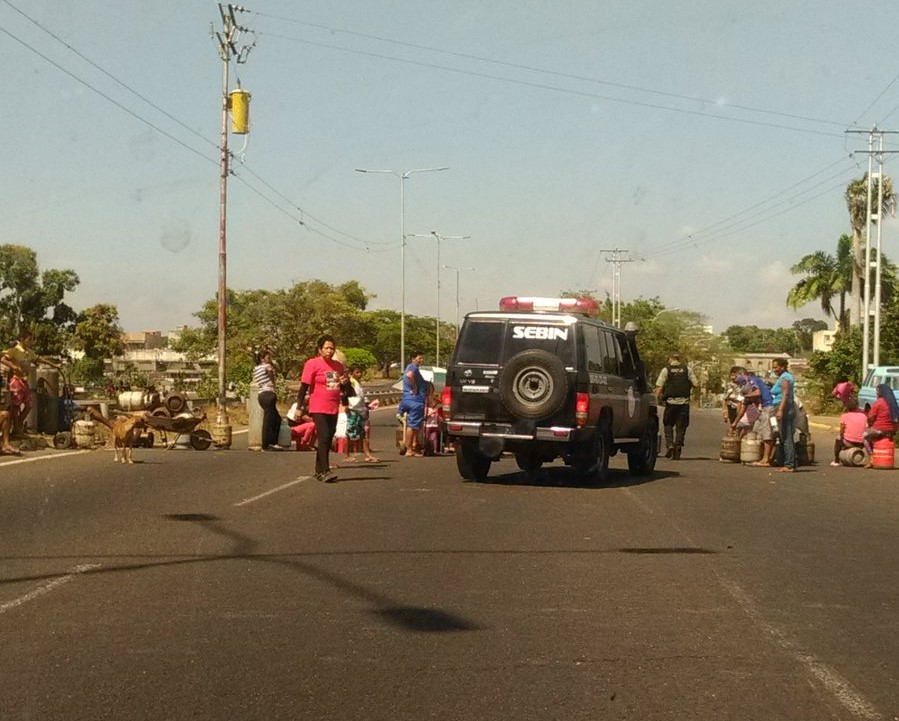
(786, 469)
(371, 459)
(761, 464)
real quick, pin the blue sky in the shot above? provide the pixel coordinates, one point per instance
(707, 139)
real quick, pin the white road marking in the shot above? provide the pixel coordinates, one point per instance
(17, 461)
(245, 501)
(47, 587)
(839, 687)
(825, 674)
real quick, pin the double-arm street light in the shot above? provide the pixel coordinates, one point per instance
(457, 269)
(402, 177)
(438, 237)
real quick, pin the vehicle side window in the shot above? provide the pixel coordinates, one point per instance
(480, 342)
(594, 348)
(610, 362)
(628, 364)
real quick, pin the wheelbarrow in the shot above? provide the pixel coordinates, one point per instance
(180, 425)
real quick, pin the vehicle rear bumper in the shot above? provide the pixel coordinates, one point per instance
(507, 432)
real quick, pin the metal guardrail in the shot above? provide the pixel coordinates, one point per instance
(387, 396)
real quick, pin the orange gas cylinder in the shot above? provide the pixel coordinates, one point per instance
(884, 452)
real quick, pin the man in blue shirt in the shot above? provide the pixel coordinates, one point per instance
(755, 390)
(413, 405)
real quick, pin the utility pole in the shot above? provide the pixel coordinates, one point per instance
(227, 46)
(616, 256)
(874, 213)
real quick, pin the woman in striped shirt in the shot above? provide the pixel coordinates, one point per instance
(264, 380)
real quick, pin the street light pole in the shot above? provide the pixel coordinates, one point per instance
(436, 236)
(457, 269)
(402, 177)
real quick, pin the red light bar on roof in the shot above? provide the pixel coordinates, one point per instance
(587, 306)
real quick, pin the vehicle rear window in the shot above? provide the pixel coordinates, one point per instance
(481, 342)
(557, 339)
(492, 341)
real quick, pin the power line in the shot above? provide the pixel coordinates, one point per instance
(734, 224)
(547, 71)
(105, 96)
(364, 244)
(555, 88)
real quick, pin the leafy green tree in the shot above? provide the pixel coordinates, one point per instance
(99, 335)
(805, 331)
(827, 367)
(34, 300)
(288, 322)
(825, 277)
(360, 357)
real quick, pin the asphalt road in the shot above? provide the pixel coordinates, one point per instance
(228, 585)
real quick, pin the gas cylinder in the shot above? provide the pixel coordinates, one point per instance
(730, 449)
(84, 434)
(750, 450)
(884, 454)
(853, 457)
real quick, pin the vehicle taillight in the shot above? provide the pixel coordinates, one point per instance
(581, 408)
(446, 399)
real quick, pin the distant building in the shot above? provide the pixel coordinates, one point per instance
(145, 340)
(146, 353)
(822, 340)
(760, 363)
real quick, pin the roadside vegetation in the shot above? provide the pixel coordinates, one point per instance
(289, 320)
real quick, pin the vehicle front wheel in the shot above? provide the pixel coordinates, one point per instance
(472, 464)
(642, 460)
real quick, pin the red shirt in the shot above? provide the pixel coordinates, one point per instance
(324, 389)
(879, 417)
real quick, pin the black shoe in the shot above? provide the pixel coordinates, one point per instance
(677, 450)
(327, 477)
(669, 453)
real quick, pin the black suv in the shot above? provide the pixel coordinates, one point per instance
(542, 378)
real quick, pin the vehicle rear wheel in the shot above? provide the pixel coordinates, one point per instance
(534, 384)
(593, 461)
(642, 460)
(472, 464)
(528, 462)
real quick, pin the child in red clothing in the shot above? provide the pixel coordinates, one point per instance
(433, 417)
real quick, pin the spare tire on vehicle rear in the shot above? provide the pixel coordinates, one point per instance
(534, 384)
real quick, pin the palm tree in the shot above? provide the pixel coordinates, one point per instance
(826, 277)
(857, 203)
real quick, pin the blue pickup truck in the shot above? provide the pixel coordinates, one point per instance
(867, 394)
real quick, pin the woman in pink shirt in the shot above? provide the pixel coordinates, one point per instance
(843, 390)
(325, 379)
(852, 430)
